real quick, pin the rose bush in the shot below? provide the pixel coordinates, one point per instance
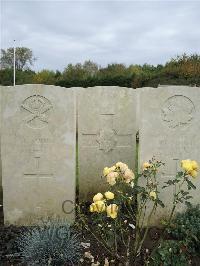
(120, 217)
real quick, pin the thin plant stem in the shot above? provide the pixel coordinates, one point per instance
(146, 230)
(101, 241)
(176, 193)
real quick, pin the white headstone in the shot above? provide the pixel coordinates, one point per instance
(107, 134)
(1, 189)
(169, 130)
(38, 153)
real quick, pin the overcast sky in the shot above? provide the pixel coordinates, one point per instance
(130, 32)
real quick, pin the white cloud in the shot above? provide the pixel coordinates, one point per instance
(62, 32)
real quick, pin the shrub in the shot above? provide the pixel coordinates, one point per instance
(170, 253)
(52, 243)
(186, 227)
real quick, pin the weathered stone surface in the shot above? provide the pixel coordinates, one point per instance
(1, 189)
(38, 153)
(107, 134)
(169, 126)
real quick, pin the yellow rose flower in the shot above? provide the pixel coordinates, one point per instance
(111, 178)
(128, 175)
(97, 197)
(190, 167)
(153, 195)
(193, 173)
(119, 164)
(113, 168)
(109, 195)
(184, 161)
(100, 205)
(107, 170)
(146, 165)
(195, 165)
(112, 210)
(186, 165)
(122, 166)
(93, 207)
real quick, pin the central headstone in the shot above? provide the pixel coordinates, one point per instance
(38, 153)
(106, 134)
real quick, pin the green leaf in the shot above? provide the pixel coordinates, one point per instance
(179, 174)
(190, 184)
(160, 203)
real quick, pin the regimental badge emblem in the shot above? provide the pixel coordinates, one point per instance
(178, 111)
(38, 110)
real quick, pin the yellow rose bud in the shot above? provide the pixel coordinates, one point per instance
(100, 205)
(106, 171)
(93, 207)
(109, 195)
(153, 195)
(97, 197)
(146, 165)
(112, 210)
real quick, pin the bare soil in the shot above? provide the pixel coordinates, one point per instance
(9, 253)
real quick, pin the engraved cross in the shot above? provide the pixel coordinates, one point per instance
(107, 138)
(36, 167)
